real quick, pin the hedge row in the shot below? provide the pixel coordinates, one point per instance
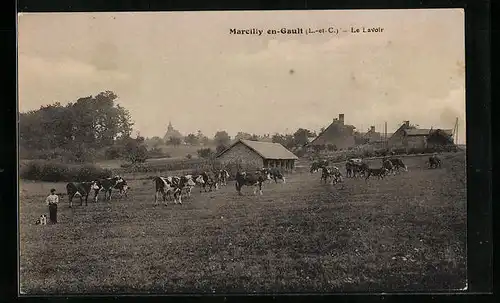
(40, 170)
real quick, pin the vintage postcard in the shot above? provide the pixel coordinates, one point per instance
(242, 152)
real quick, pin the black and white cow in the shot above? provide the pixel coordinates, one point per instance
(434, 162)
(188, 182)
(82, 189)
(107, 185)
(331, 172)
(317, 165)
(397, 163)
(355, 167)
(254, 179)
(166, 186)
(209, 181)
(222, 177)
(378, 172)
(275, 174)
(388, 166)
(122, 188)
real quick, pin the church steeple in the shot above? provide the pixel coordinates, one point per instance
(170, 127)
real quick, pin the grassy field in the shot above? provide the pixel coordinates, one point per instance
(407, 232)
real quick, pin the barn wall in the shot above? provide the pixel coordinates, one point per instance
(397, 139)
(242, 155)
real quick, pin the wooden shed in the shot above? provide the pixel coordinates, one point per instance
(256, 154)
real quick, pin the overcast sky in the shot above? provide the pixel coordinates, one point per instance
(187, 68)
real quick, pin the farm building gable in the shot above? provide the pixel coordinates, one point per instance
(337, 133)
(265, 150)
(246, 153)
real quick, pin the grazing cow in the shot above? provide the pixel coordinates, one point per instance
(108, 184)
(222, 176)
(275, 174)
(210, 181)
(397, 163)
(122, 188)
(187, 183)
(355, 167)
(331, 172)
(379, 172)
(388, 165)
(251, 179)
(434, 162)
(317, 165)
(165, 186)
(82, 189)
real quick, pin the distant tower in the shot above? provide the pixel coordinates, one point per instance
(170, 127)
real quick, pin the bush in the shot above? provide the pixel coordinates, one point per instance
(189, 156)
(56, 172)
(112, 153)
(205, 152)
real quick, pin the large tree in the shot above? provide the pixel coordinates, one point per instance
(222, 138)
(301, 136)
(89, 122)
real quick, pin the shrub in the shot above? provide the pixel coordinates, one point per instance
(205, 152)
(189, 156)
(112, 153)
(56, 172)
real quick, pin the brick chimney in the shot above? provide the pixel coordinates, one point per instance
(407, 123)
(372, 129)
(341, 118)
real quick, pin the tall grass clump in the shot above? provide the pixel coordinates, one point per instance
(49, 171)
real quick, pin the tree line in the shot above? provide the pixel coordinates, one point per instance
(97, 127)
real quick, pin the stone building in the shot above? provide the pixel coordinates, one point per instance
(246, 154)
(409, 136)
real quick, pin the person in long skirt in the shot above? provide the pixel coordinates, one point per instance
(52, 201)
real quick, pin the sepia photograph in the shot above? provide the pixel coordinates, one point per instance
(220, 152)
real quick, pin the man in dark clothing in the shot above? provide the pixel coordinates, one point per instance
(52, 201)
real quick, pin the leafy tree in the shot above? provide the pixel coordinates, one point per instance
(205, 153)
(301, 136)
(191, 139)
(222, 138)
(254, 137)
(135, 150)
(242, 135)
(175, 141)
(156, 142)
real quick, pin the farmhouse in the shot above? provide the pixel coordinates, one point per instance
(408, 136)
(257, 154)
(337, 134)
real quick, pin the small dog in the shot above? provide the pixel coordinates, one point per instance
(42, 220)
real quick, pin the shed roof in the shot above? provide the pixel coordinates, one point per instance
(266, 150)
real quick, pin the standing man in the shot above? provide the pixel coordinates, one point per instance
(52, 201)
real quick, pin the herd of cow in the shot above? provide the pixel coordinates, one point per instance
(174, 186)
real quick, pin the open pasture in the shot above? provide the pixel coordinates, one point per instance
(405, 232)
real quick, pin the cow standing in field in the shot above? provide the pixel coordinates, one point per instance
(82, 189)
(107, 185)
(388, 166)
(317, 165)
(251, 179)
(275, 174)
(122, 188)
(331, 172)
(210, 181)
(165, 186)
(189, 182)
(397, 163)
(222, 177)
(378, 172)
(434, 162)
(355, 167)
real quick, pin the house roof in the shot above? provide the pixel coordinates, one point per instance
(335, 123)
(266, 150)
(449, 132)
(417, 132)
